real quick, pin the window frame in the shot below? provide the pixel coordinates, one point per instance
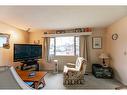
(65, 55)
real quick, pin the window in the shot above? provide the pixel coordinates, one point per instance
(64, 46)
(3, 40)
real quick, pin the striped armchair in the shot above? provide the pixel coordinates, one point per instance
(74, 73)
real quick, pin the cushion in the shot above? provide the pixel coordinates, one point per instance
(7, 80)
(79, 62)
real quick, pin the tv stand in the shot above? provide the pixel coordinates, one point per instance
(28, 64)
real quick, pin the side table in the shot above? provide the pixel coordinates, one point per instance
(56, 66)
(102, 72)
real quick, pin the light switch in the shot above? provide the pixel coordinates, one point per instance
(125, 53)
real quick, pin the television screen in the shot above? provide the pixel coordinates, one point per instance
(24, 52)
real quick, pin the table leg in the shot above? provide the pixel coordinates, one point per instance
(36, 84)
(43, 82)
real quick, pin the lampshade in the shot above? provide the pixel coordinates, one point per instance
(103, 56)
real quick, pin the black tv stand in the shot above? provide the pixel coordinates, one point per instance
(27, 64)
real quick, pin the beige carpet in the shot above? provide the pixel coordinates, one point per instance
(55, 81)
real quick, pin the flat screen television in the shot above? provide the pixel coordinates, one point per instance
(24, 52)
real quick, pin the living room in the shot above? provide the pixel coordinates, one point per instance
(101, 39)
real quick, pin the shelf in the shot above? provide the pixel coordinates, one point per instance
(67, 34)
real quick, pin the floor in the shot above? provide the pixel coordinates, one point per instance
(55, 81)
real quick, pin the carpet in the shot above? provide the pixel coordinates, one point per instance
(55, 81)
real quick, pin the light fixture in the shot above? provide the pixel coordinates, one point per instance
(104, 56)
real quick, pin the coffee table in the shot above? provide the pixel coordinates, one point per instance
(37, 79)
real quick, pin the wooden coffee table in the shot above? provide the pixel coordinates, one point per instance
(37, 79)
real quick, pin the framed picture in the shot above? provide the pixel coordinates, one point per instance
(97, 42)
(4, 43)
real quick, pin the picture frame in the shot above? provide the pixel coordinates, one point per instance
(96, 42)
(6, 45)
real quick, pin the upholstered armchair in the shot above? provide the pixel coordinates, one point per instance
(74, 73)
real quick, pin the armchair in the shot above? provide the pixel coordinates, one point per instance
(74, 73)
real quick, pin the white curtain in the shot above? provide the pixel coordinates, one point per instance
(45, 51)
(83, 47)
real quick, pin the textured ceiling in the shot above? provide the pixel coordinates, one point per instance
(60, 17)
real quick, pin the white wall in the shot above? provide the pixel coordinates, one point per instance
(0, 57)
(118, 49)
(16, 36)
(94, 53)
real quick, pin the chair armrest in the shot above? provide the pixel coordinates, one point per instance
(18, 79)
(71, 65)
(73, 69)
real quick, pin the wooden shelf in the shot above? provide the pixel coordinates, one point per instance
(67, 34)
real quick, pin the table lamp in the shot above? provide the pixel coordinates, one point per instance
(103, 56)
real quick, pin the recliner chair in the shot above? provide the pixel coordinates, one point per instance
(74, 73)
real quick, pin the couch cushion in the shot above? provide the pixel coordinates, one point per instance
(7, 80)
